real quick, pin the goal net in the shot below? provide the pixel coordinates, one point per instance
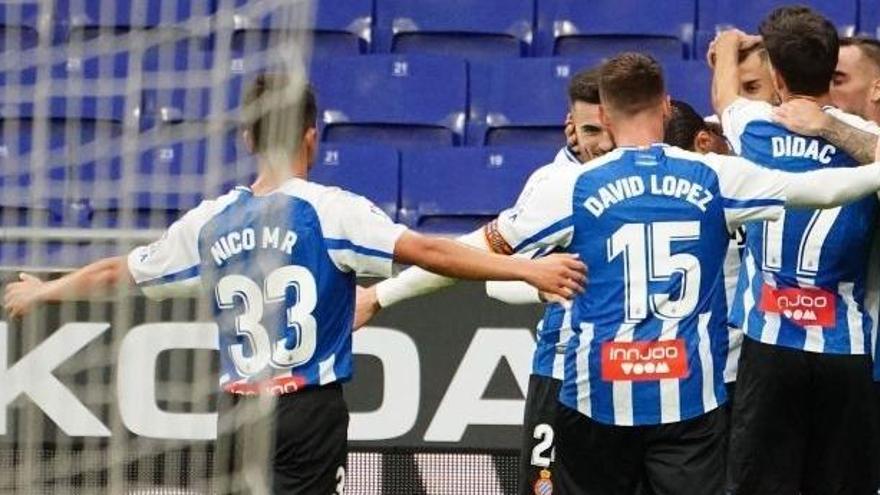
(116, 116)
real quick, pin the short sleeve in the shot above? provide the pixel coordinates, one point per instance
(169, 267)
(542, 217)
(749, 192)
(737, 116)
(361, 237)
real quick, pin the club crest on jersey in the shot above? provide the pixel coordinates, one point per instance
(544, 486)
(802, 306)
(644, 360)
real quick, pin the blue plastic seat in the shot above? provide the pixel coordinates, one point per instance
(748, 14)
(520, 102)
(78, 130)
(475, 29)
(174, 35)
(458, 189)
(869, 18)
(337, 28)
(402, 100)
(18, 26)
(369, 170)
(690, 81)
(87, 20)
(601, 28)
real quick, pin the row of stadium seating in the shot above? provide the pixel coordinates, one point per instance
(431, 189)
(476, 29)
(405, 101)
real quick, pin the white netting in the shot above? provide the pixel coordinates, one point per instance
(115, 117)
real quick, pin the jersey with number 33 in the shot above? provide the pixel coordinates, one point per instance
(281, 271)
(653, 225)
(804, 279)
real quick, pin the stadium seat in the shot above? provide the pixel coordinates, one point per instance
(78, 130)
(601, 28)
(369, 170)
(174, 35)
(869, 18)
(339, 28)
(88, 20)
(516, 102)
(690, 81)
(458, 189)
(402, 100)
(18, 26)
(475, 29)
(748, 14)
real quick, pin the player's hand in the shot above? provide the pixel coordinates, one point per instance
(552, 298)
(730, 40)
(366, 307)
(571, 138)
(801, 116)
(20, 298)
(560, 274)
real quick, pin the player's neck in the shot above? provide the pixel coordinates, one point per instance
(640, 130)
(873, 113)
(271, 178)
(821, 100)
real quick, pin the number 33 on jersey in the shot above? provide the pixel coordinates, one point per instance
(281, 268)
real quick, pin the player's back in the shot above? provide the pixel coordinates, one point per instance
(651, 226)
(282, 270)
(804, 280)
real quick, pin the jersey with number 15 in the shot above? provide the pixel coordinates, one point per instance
(281, 271)
(653, 225)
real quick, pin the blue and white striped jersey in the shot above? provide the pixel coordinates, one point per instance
(804, 280)
(554, 329)
(653, 225)
(281, 269)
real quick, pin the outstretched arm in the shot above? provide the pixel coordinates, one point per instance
(416, 281)
(100, 278)
(831, 187)
(559, 274)
(513, 292)
(807, 118)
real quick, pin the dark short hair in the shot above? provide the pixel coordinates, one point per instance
(631, 83)
(803, 48)
(584, 87)
(277, 113)
(869, 47)
(683, 126)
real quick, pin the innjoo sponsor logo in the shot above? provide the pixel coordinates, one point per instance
(803, 306)
(644, 361)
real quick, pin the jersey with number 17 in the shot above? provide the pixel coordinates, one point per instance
(653, 225)
(281, 271)
(805, 277)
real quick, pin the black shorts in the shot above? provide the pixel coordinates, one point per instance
(538, 437)
(673, 459)
(293, 444)
(802, 423)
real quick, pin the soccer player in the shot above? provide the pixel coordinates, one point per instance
(801, 420)
(279, 260)
(643, 370)
(855, 86)
(591, 140)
